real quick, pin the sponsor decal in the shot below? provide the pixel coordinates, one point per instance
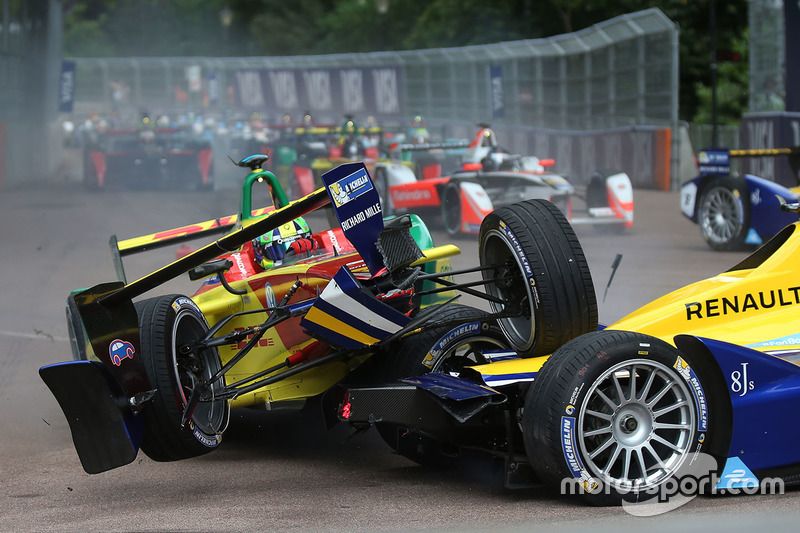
(183, 301)
(450, 336)
(699, 394)
(409, 196)
(237, 258)
(350, 187)
(263, 342)
(740, 384)
(755, 197)
(356, 266)
(736, 475)
(573, 399)
(206, 440)
(361, 216)
(573, 459)
(714, 162)
(120, 350)
(737, 304)
(789, 340)
(337, 248)
(269, 296)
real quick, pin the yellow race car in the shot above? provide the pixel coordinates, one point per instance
(288, 316)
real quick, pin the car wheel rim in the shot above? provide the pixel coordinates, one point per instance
(209, 416)
(467, 352)
(513, 289)
(721, 215)
(636, 424)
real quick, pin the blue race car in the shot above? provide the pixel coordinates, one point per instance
(693, 393)
(734, 212)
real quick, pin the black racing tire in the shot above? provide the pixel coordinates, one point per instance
(382, 187)
(574, 408)
(436, 349)
(545, 276)
(166, 322)
(451, 208)
(723, 213)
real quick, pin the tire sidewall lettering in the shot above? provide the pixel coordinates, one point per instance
(445, 341)
(523, 259)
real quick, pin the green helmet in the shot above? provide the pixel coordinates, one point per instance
(270, 249)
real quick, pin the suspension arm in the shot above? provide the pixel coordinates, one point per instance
(463, 287)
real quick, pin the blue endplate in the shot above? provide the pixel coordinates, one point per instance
(449, 387)
(460, 398)
(105, 433)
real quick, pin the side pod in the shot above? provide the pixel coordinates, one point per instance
(764, 393)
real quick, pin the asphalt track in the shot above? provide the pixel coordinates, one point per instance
(280, 472)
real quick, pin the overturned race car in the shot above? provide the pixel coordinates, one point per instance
(299, 321)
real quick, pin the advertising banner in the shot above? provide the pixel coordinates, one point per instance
(374, 91)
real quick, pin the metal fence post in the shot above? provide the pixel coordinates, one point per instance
(675, 163)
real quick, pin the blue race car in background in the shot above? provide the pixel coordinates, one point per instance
(735, 211)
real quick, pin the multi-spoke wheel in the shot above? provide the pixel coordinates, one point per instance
(619, 413)
(456, 337)
(724, 214)
(637, 424)
(168, 323)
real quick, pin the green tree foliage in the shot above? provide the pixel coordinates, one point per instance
(732, 78)
(284, 27)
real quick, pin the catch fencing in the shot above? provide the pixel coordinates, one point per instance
(616, 79)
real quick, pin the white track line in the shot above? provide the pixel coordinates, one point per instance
(38, 336)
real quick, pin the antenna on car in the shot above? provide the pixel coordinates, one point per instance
(614, 267)
(232, 161)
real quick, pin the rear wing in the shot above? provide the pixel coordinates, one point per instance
(717, 161)
(190, 232)
(425, 147)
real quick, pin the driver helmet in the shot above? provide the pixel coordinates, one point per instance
(349, 126)
(270, 248)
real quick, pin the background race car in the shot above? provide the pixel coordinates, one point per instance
(147, 157)
(489, 177)
(735, 211)
(343, 144)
